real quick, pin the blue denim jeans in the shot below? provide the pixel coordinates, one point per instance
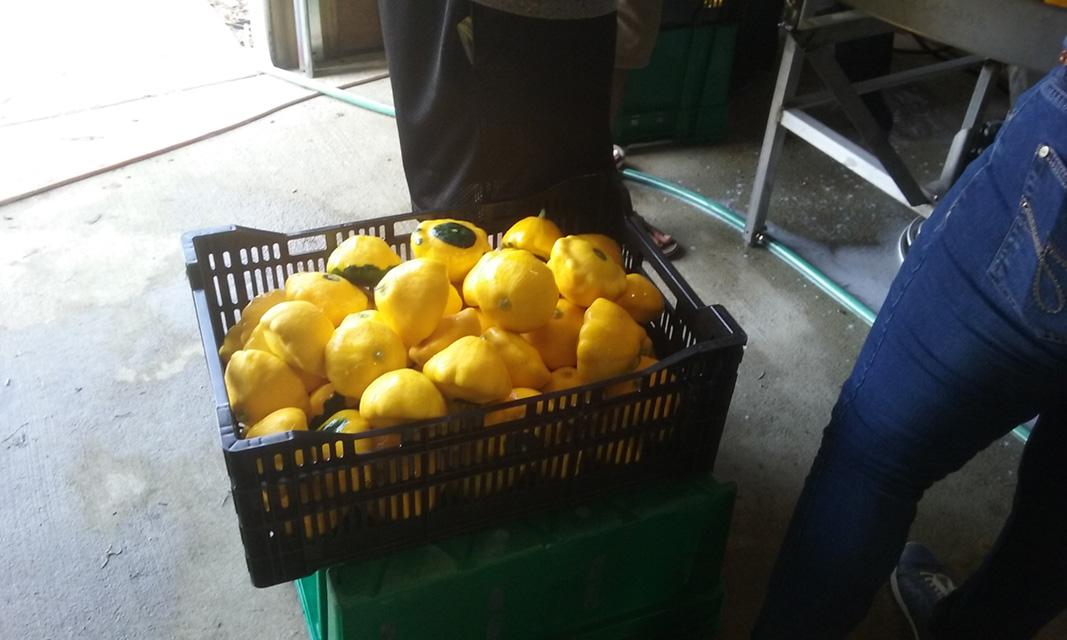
(971, 341)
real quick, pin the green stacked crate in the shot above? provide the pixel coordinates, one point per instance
(636, 565)
(682, 94)
(692, 617)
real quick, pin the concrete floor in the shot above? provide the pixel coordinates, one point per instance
(116, 516)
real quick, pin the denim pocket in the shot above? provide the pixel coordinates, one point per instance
(1030, 268)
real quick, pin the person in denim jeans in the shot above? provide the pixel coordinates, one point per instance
(971, 341)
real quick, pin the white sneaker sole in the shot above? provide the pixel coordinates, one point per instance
(900, 602)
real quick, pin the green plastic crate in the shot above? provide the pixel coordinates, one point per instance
(693, 618)
(625, 564)
(682, 94)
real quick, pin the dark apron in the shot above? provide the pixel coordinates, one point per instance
(520, 105)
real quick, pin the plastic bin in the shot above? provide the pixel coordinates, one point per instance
(682, 94)
(647, 564)
(306, 500)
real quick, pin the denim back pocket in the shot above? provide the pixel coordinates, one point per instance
(1030, 268)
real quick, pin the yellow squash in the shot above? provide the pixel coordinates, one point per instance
(239, 333)
(647, 348)
(557, 340)
(514, 289)
(632, 386)
(310, 380)
(325, 400)
(512, 413)
(350, 421)
(495, 446)
(644, 411)
(609, 343)
(280, 421)
(362, 260)
(469, 369)
(472, 280)
(641, 299)
(256, 339)
(369, 314)
(524, 364)
(359, 352)
(411, 298)
(563, 378)
(536, 234)
(584, 272)
(333, 294)
(456, 243)
(259, 383)
(297, 332)
(450, 329)
(484, 322)
(606, 244)
(400, 396)
(455, 301)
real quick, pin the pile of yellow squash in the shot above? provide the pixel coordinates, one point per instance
(375, 341)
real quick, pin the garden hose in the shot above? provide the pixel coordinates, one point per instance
(337, 93)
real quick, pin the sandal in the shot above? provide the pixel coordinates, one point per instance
(664, 242)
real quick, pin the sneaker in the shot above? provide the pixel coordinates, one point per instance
(918, 583)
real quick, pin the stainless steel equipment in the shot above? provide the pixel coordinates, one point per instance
(1027, 33)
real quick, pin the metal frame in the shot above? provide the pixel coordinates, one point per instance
(1026, 33)
(308, 56)
(972, 122)
(305, 50)
(812, 38)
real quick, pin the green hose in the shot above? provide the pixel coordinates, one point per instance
(712, 208)
(819, 279)
(715, 209)
(333, 92)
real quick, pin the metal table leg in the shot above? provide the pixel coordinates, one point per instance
(773, 138)
(956, 160)
(303, 37)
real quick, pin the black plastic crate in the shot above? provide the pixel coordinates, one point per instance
(306, 500)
